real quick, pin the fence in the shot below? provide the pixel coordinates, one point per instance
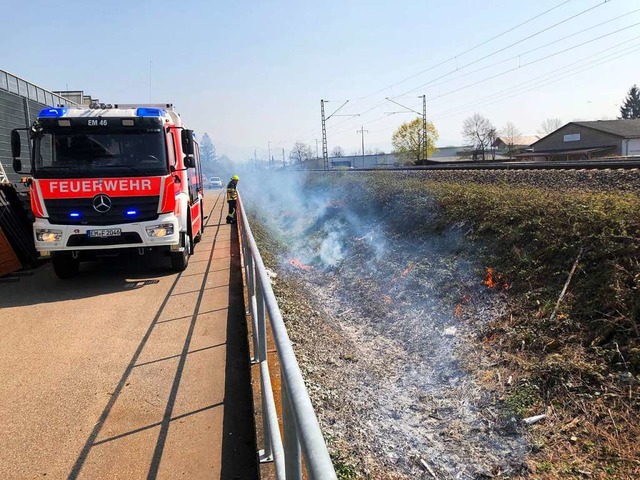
(299, 423)
(20, 103)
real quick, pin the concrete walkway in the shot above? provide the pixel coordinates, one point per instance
(129, 371)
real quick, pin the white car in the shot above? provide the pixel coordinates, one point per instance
(215, 182)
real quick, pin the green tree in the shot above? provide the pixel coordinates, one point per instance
(631, 106)
(208, 156)
(408, 142)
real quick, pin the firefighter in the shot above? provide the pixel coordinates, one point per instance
(232, 198)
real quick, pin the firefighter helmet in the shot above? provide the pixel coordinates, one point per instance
(235, 177)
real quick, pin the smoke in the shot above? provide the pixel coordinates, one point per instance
(408, 288)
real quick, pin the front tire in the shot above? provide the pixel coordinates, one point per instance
(180, 260)
(64, 265)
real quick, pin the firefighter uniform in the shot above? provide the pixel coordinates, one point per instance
(232, 198)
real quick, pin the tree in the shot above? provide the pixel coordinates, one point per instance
(550, 125)
(631, 106)
(408, 143)
(301, 152)
(337, 152)
(509, 134)
(478, 132)
(208, 155)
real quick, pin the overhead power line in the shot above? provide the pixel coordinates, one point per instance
(538, 79)
(453, 58)
(561, 22)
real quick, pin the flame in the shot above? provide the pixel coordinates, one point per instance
(458, 311)
(407, 270)
(404, 273)
(488, 280)
(495, 280)
(297, 263)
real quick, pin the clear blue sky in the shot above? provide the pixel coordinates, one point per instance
(250, 73)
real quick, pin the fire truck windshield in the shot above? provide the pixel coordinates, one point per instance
(100, 154)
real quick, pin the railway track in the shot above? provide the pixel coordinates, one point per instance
(604, 164)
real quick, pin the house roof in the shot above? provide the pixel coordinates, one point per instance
(519, 141)
(623, 128)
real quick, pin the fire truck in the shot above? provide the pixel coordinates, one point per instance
(106, 179)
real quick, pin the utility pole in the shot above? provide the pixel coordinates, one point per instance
(424, 139)
(325, 151)
(284, 164)
(424, 127)
(362, 131)
(317, 148)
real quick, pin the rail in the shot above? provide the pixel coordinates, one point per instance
(299, 423)
(14, 84)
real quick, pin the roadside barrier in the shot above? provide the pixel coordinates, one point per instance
(299, 423)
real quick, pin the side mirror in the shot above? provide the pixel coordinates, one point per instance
(17, 165)
(15, 144)
(189, 161)
(187, 143)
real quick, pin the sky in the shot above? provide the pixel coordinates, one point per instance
(252, 74)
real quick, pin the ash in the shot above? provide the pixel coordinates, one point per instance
(385, 330)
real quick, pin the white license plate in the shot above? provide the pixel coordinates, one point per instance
(107, 232)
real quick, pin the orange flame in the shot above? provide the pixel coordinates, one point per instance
(407, 270)
(458, 311)
(488, 279)
(297, 263)
(495, 280)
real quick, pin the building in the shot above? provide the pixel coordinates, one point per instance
(585, 140)
(514, 144)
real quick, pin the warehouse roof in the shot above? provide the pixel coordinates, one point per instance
(623, 128)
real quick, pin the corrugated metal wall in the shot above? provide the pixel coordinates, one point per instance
(20, 102)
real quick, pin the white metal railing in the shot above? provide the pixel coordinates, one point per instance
(302, 433)
(14, 84)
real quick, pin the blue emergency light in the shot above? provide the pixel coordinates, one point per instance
(53, 112)
(149, 112)
(131, 212)
(74, 214)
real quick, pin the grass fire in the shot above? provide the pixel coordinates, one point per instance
(421, 360)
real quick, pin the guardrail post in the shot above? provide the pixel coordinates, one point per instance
(292, 457)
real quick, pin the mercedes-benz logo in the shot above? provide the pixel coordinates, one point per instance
(101, 203)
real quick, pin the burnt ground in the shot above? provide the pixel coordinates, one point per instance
(395, 330)
(385, 338)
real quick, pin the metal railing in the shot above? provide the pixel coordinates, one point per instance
(14, 84)
(299, 423)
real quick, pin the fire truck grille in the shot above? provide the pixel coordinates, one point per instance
(84, 241)
(80, 211)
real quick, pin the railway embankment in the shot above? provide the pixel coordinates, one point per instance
(465, 323)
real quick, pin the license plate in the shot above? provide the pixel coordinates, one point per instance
(107, 232)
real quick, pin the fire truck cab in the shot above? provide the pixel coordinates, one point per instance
(109, 178)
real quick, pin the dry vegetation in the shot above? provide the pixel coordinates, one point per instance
(567, 262)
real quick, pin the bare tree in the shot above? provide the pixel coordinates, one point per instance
(478, 132)
(337, 152)
(550, 125)
(510, 133)
(301, 152)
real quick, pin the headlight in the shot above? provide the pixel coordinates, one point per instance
(162, 230)
(46, 235)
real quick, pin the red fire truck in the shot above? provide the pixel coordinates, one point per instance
(107, 178)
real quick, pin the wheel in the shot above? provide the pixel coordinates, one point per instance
(180, 260)
(65, 265)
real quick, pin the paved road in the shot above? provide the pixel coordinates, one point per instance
(129, 371)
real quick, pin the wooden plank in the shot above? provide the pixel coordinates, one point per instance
(9, 262)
